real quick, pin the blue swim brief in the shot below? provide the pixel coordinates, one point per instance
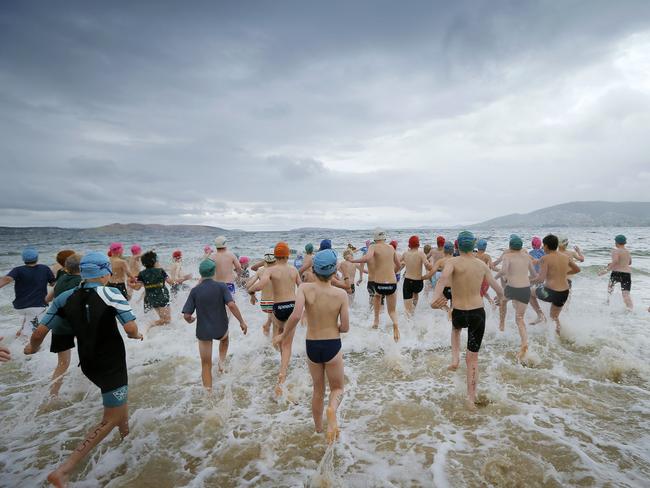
(231, 287)
(116, 398)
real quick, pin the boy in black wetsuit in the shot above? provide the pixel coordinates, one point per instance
(88, 312)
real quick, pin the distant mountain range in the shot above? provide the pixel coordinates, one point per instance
(118, 228)
(578, 214)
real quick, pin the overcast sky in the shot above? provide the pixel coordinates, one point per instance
(275, 115)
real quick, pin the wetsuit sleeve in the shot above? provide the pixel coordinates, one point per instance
(190, 305)
(114, 298)
(51, 319)
(50, 277)
(227, 296)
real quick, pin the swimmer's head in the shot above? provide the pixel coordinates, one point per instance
(536, 242)
(71, 264)
(449, 248)
(427, 248)
(414, 242)
(244, 260)
(466, 241)
(309, 248)
(116, 248)
(440, 241)
(135, 249)
(620, 239)
(281, 250)
(269, 257)
(325, 244)
(324, 264)
(516, 243)
(563, 240)
(551, 242)
(394, 244)
(220, 242)
(30, 255)
(176, 255)
(207, 250)
(149, 259)
(379, 235)
(481, 245)
(207, 268)
(61, 256)
(95, 265)
(348, 254)
(367, 243)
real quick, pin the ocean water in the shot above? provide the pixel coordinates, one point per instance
(576, 414)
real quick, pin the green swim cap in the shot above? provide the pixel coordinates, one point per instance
(620, 239)
(207, 268)
(309, 248)
(516, 243)
(466, 241)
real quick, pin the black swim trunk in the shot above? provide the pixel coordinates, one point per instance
(385, 288)
(352, 289)
(371, 288)
(283, 310)
(121, 287)
(322, 350)
(520, 294)
(625, 279)
(474, 321)
(61, 342)
(557, 298)
(410, 287)
(446, 292)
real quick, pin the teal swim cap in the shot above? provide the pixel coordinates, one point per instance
(516, 243)
(207, 268)
(309, 248)
(481, 245)
(466, 241)
(620, 239)
(449, 247)
(325, 262)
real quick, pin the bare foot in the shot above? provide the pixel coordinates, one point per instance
(502, 326)
(538, 320)
(395, 333)
(278, 390)
(58, 478)
(221, 367)
(452, 367)
(266, 329)
(375, 325)
(470, 405)
(557, 329)
(522, 352)
(332, 426)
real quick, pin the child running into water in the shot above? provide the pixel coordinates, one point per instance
(89, 313)
(176, 273)
(621, 272)
(120, 266)
(210, 298)
(349, 271)
(536, 254)
(327, 309)
(266, 300)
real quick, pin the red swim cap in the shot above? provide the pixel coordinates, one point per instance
(414, 241)
(440, 240)
(394, 244)
(177, 254)
(456, 243)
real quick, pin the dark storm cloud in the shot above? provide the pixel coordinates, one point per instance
(217, 111)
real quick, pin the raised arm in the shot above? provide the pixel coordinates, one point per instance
(262, 282)
(364, 259)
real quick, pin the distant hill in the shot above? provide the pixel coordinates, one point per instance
(117, 228)
(578, 214)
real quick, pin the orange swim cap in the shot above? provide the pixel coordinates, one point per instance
(281, 250)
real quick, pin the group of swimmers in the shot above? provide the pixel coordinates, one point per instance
(91, 294)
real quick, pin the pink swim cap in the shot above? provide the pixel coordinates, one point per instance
(536, 242)
(244, 260)
(207, 249)
(135, 249)
(116, 247)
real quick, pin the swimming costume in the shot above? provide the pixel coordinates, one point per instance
(557, 298)
(485, 286)
(352, 289)
(410, 287)
(121, 287)
(322, 350)
(520, 294)
(61, 342)
(474, 321)
(625, 279)
(156, 294)
(231, 287)
(447, 292)
(283, 310)
(385, 288)
(266, 306)
(115, 398)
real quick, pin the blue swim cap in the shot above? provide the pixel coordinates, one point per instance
(481, 245)
(466, 241)
(619, 239)
(95, 265)
(516, 243)
(325, 262)
(325, 244)
(449, 247)
(30, 255)
(309, 248)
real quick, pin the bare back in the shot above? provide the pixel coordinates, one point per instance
(323, 304)
(135, 265)
(349, 270)
(119, 268)
(284, 279)
(621, 260)
(517, 268)
(225, 261)
(413, 260)
(383, 259)
(557, 267)
(466, 279)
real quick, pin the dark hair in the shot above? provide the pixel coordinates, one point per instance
(72, 264)
(149, 259)
(61, 256)
(551, 242)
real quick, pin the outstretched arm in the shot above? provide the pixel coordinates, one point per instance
(366, 258)
(5, 280)
(261, 283)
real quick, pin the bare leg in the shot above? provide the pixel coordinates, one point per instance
(61, 367)
(317, 372)
(408, 307)
(266, 328)
(223, 352)
(503, 311)
(205, 352)
(335, 378)
(538, 310)
(520, 311)
(377, 308)
(610, 290)
(627, 299)
(391, 304)
(163, 316)
(455, 349)
(415, 301)
(471, 359)
(285, 357)
(112, 417)
(555, 316)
